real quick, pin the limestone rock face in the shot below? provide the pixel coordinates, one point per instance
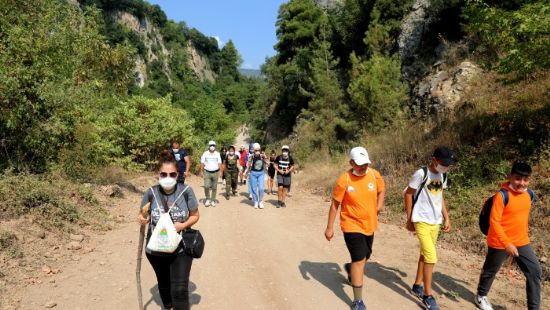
(156, 50)
(444, 88)
(413, 27)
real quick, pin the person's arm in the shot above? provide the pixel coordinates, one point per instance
(222, 168)
(380, 197)
(408, 197)
(144, 218)
(201, 170)
(193, 218)
(332, 212)
(446, 219)
(187, 165)
(495, 220)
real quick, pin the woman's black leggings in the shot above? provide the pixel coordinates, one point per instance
(173, 279)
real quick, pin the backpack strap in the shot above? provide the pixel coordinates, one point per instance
(419, 189)
(532, 195)
(505, 196)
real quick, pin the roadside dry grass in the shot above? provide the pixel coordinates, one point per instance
(498, 122)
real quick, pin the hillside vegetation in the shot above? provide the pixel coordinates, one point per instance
(350, 73)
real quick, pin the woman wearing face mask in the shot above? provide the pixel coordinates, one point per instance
(256, 164)
(172, 269)
(271, 171)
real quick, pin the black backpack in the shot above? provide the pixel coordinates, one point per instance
(485, 214)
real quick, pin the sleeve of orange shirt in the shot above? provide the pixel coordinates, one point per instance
(380, 185)
(340, 188)
(496, 218)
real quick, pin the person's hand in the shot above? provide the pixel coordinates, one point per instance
(143, 220)
(201, 174)
(410, 226)
(512, 250)
(447, 226)
(187, 174)
(329, 233)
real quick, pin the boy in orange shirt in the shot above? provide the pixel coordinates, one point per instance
(360, 192)
(508, 237)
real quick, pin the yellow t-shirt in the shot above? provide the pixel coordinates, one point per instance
(358, 197)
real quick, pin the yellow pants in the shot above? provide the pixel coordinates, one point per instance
(427, 235)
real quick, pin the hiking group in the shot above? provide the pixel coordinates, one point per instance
(358, 198)
(359, 195)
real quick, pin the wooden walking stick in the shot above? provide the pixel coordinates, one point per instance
(144, 213)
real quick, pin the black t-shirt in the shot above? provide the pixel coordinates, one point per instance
(284, 163)
(179, 156)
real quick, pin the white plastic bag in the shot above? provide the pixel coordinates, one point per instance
(164, 238)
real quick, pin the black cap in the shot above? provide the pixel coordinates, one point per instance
(445, 155)
(521, 168)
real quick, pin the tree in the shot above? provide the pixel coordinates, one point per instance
(230, 61)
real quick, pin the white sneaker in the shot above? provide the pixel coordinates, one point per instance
(256, 205)
(213, 203)
(261, 205)
(482, 302)
(207, 203)
(250, 196)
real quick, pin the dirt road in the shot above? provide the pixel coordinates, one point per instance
(261, 259)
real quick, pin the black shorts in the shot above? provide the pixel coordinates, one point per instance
(283, 180)
(271, 172)
(359, 246)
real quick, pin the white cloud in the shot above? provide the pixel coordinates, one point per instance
(220, 42)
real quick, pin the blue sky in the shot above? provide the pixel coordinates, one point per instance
(249, 23)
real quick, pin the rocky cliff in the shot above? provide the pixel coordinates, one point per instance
(156, 49)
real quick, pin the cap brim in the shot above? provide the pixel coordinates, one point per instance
(361, 161)
(447, 161)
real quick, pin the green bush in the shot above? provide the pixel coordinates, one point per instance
(9, 245)
(517, 40)
(377, 90)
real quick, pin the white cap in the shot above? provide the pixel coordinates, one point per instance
(212, 142)
(359, 155)
(256, 146)
(285, 147)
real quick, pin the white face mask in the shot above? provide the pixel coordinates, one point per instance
(167, 183)
(355, 173)
(211, 148)
(175, 150)
(285, 154)
(441, 169)
(231, 153)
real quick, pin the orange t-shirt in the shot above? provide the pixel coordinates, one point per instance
(358, 197)
(509, 225)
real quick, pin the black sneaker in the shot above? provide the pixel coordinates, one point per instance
(417, 291)
(283, 205)
(347, 268)
(278, 205)
(430, 303)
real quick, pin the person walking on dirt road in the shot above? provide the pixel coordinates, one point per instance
(271, 171)
(210, 168)
(284, 165)
(360, 193)
(508, 237)
(256, 171)
(171, 269)
(426, 211)
(242, 158)
(230, 169)
(183, 162)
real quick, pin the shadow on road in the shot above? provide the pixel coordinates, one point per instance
(194, 299)
(451, 287)
(390, 277)
(327, 274)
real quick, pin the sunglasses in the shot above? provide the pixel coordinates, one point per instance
(171, 174)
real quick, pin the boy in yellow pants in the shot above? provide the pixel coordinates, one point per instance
(426, 211)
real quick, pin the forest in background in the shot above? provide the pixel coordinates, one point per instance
(71, 111)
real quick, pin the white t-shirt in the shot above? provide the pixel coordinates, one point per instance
(429, 205)
(211, 160)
